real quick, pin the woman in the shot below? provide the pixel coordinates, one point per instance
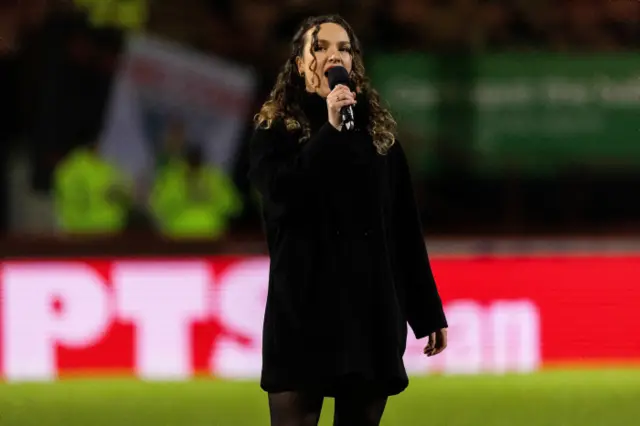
(349, 266)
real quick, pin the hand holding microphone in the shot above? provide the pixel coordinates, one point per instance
(341, 99)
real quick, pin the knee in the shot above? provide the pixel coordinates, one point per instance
(355, 412)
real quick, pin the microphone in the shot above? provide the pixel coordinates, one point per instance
(339, 75)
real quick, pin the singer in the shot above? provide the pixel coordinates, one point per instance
(349, 267)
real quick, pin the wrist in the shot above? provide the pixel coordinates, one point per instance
(338, 126)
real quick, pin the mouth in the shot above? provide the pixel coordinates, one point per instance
(326, 71)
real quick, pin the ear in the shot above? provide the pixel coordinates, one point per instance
(300, 65)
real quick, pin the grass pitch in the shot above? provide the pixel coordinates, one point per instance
(560, 398)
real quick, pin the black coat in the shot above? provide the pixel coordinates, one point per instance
(349, 267)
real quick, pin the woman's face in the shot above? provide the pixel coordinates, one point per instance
(333, 48)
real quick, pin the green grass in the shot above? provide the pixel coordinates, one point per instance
(580, 398)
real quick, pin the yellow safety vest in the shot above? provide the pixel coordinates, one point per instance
(123, 14)
(84, 198)
(196, 206)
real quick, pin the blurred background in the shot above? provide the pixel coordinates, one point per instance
(124, 141)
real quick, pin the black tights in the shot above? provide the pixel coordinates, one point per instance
(300, 409)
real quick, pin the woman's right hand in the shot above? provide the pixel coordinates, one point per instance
(339, 97)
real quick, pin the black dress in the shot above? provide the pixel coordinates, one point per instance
(349, 267)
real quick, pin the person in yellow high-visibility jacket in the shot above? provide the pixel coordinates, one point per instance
(123, 14)
(193, 200)
(91, 195)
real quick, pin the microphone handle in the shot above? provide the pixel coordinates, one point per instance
(346, 113)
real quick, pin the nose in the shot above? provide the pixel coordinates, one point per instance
(334, 57)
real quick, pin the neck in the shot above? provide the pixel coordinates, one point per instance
(311, 91)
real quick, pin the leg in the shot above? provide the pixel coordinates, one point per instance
(294, 409)
(359, 410)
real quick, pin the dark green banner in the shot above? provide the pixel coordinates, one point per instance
(536, 114)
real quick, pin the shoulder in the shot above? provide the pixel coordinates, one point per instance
(398, 159)
(271, 134)
(70, 165)
(276, 128)
(63, 171)
(396, 152)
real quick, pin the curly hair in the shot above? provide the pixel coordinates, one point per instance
(285, 98)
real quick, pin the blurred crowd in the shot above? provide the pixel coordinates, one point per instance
(261, 28)
(258, 31)
(59, 59)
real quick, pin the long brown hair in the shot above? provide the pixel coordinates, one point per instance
(285, 98)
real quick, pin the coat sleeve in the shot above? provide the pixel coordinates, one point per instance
(423, 305)
(279, 170)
